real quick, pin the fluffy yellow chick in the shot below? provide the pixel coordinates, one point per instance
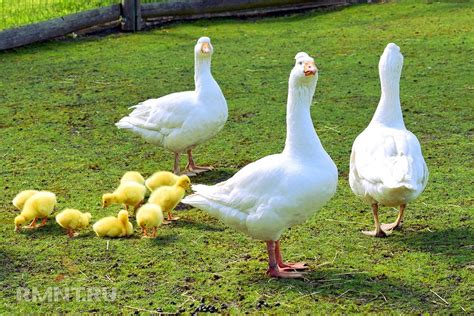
(20, 198)
(40, 205)
(168, 197)
(114, 226)
(132, 176)
(149, 216)
(72, 220)
(128, 194)
(159, 179)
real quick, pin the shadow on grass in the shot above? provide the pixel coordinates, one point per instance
(199, 225)
(162, 239)
(51, 228)
(357, 286)
(455, 243)
(12, 266)
(213, 177)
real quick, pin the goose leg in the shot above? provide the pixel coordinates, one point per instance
(171, 217)
(289, 266)
(70, 232)
(165, 220)
(137, 207)
(191, 166)
(273, 269)
(43, 222)
(176, 164)
(145, 234)
(33, 223)
(378, 232)
(398, 222)
(188, 172)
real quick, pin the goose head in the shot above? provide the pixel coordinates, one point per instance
(305, 72)
(203, 47)
(390, 64)
(184, 182)
(19, 221)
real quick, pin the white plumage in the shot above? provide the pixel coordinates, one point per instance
(278, 191)
(387, 166)
(181, 121)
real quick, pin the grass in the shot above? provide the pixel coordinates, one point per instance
(15, 13)
(59, 101)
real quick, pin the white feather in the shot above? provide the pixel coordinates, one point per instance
(182, 120)
(267, 196)
(387, 165)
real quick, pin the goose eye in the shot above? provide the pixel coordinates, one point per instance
(301, 63)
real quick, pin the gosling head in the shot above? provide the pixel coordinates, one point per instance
(19, 221)
(203, 47)
(123, 216)
(87, 217)
(184, 182)
(107, 199)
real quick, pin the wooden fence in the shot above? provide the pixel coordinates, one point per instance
(133, 16)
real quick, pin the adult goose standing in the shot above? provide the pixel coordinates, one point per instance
(276, 192)
(181, 121)
(386, 165)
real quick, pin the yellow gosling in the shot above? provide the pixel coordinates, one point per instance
(168, 197)
(159, 179)
(114, 227)
(149, 216)
(20, 199)
(40, 205)
(73, 220)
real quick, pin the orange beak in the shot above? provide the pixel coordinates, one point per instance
(205, 48)
(310, 69)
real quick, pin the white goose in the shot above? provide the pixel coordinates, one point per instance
(181, 121)
(278, 191)
(387, 166)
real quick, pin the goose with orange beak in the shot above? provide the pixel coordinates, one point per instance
(181, 121)
(270, 195)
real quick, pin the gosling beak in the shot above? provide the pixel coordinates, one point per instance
(310, 69)
(205, 48)
(17, 228)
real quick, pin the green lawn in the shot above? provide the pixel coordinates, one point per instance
(58, 104)
(14, 13)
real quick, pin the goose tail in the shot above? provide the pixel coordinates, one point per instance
(205, 199)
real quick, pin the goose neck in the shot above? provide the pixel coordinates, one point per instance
(301, 138)
(389, 111)
(202, 73)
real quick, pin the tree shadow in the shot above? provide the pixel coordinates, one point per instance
(455, 243)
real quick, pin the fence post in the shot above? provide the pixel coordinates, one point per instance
(131, 15)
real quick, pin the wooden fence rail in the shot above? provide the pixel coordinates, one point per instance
(183, 8)
(133, 15)
(58, 27)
